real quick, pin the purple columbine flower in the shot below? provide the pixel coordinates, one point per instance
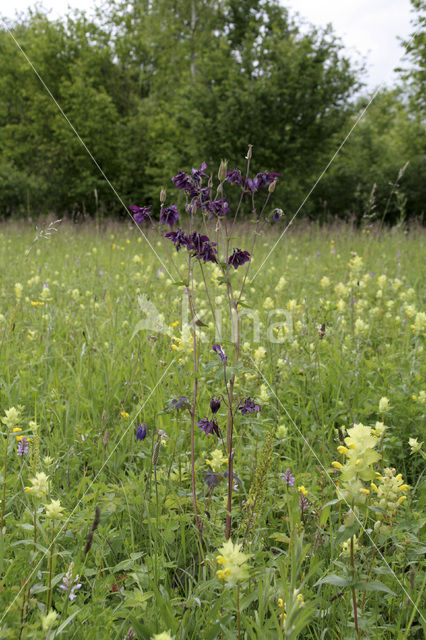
(276, 214)
(214, 404)
(69, 584)
(204, 249)
(238, 258)
(234, 177)
(181, 402)
(179, 238)
(169, 215)
(264, 179)
(141, 432)
(130, 635)
(217, 207)
(209, 426)
(220, 352)
(140, 214)
(198, 174)
(182, 181)
(22, 446)
(288, 478)
(249, 406)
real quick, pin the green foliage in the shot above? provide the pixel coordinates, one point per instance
(152, 87)
(69, 360)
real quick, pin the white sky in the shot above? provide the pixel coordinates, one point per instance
(368, 28)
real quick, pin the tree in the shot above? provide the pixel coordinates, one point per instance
(415, 48)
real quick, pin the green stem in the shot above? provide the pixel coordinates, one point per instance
(3, 502)
(49, 591)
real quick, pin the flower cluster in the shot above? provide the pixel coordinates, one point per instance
(70, 584)
(390, 493)
(360, 456)
(249, 406)
(202, 248)
(40, 485)
(209, 426)
(217, 460)
(233, 561)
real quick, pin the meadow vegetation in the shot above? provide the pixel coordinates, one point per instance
(98, 533)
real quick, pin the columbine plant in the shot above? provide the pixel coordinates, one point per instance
(209, 212)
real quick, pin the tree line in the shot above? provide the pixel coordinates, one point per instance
(155, 86)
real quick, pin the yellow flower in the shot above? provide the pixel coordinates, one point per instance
(40, 485)
(419, 322)
(48, 620)
(282, 431)
(234, 564)
(337, 465)
(268, 303)
(259, 354)
(384, 404)
(18, 290)
(12, 417)
(415, 445)
(162, 636)
(54, 510)
(325, 282)
(217, 460)
(124, 414)
(302, 490)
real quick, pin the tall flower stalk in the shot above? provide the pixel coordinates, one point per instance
(203, 207)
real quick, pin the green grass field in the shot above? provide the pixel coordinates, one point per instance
(95, 339)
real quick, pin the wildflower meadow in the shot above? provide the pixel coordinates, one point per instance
(210, 428)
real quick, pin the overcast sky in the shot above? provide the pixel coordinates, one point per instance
(369, 27)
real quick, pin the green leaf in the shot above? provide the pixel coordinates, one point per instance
(337, 581)
(373, 585)
(346, 532)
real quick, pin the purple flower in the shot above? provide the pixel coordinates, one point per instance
(198, 174)
(234, 177)
(214, 404)
(250, 185)
(130, 635)
(140, 214)
(277, 213)
(303, 503)
(179, 238)
(249, 406)
(169, 215)
(22, 446)
(205, 194)
(203, 248)
(217, 208)
(264, 179)
(238, 258)
(181, 402)
(289, 479)
(220, 352)
(182, 181)
(141, 432)
(69, 584)
(209, 426)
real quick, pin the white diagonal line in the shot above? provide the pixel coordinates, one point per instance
(81, 498)
(379, 88)
(320, 177)
(335, 486)
(85, 146)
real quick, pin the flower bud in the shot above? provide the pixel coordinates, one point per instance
(162, 195)
(222, 170)
(214, 404)
(249, 152)
(272, 186)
